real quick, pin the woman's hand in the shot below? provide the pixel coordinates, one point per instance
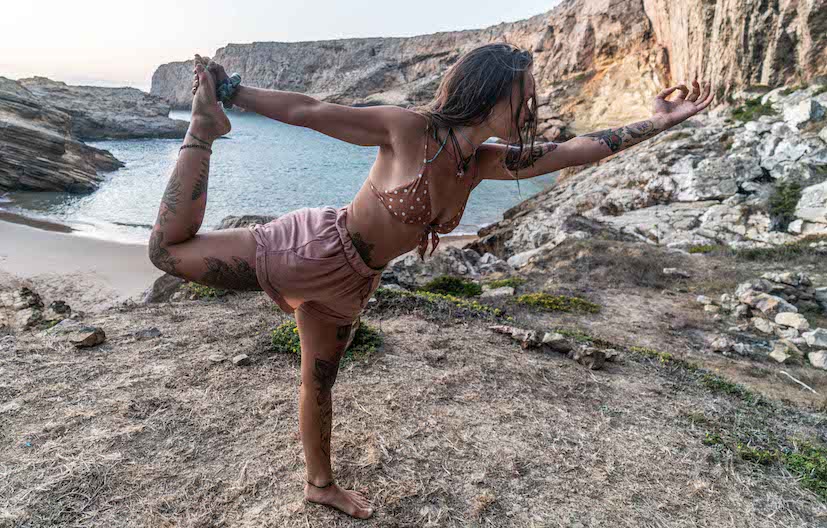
(215, 69)
(685, 105)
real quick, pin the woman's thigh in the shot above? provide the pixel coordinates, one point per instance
(223, 259)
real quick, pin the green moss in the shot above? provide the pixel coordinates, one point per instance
(782, 204)
(820, 90)
(557, 303)
(202, 291)
(757, 454)
(285, 339)
(677, 136)
(791, 89)
(724, 386)
(450, 285)
(513, 282)
(711, 439)
(809, 462)
(436, 299)
(703, 248)
(752, 109)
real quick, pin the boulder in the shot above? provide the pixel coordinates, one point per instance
(816, 339)
(792, 320)
(505, 291)
(818, 359)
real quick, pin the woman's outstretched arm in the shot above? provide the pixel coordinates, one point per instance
(504, 162)
(366, 126)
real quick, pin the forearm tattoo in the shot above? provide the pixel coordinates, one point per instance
(620, 138)
(223, 275)
(514, 160)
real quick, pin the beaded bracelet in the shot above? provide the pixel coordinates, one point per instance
(227, 89)
(194, 145)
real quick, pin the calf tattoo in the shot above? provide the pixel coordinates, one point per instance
(200, 186)
(223, 275)
(515, 160)
(325, 376)
(171, 198)
(620, 138)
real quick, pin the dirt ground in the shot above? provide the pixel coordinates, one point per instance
(447, 424)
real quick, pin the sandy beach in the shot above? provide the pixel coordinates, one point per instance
(89, 273)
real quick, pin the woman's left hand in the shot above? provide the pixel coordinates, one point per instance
(686, 104)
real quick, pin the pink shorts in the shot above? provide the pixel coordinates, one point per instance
(308, 254)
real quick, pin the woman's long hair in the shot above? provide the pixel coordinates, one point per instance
(475, 84)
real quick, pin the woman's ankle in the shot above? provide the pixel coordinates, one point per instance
(201, 137)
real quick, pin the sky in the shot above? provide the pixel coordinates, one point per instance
(116, 43)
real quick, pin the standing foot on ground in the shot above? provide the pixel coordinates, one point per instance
(350, 502)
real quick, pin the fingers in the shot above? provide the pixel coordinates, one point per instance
(695, 93)
(682, 92)
(666, 92)
(706, 97)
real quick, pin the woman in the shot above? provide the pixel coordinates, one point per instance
(324, 263)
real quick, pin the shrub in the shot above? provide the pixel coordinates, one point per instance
(285, 338)
(782, 205)
(557, 303)
(514, 282)
(449, 285)
(752, 109)
(201, 291)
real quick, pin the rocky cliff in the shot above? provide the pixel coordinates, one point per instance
(719, 178)
(108, 113)
(597, 62)
(37, 149)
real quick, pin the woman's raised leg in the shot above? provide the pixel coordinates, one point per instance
(224, 259)
(323, 345)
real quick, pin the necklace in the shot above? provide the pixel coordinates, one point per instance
(465, 161)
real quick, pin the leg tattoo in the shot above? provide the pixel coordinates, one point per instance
(325, 376)
(223, 275)
(159, 255)
(200, 186)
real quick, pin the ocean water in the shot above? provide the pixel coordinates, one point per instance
(261, 167)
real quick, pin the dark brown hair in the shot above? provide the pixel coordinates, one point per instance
(474, 84)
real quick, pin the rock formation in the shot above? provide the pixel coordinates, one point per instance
(37, 150)
(597, 62)
(108, 113)
(710, 180)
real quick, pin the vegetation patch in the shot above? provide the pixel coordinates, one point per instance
(434, 303)
(782, 204)
(513, 282)
(450, 285)
(752, 109)
(285, 339)
(704, 248)
(200, 291)
(557, 303)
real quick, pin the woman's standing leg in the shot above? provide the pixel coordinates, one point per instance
(226, 258)
(323, 345)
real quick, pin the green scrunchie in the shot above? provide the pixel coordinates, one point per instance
(227, 89)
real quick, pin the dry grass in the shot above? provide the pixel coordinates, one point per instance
(456, 426)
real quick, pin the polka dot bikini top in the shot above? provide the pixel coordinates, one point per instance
(410, 203)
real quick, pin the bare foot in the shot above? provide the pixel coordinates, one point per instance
(208, 118)
(350, 502)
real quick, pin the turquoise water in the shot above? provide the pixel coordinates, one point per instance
(261, 167)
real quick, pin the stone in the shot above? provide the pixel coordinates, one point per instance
(721, 344)
(675, 272)
(816, 339)
(217, 358)
(556, 342)
(741, 311)
(799, 113)
(792, 320)
(771, 305)
(527, 338)
(88, 338)
(818, 359)
(712, 308)
(703, 299)
(763, 325)
(505, 291)
(241, 359)
(591, 357)
(821, 298)
(521, 259)
(742, 349)
(786, 333)
(147, 333)
(163, 289)
(779, 353)
(28, 318)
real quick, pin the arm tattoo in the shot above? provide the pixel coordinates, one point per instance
(514, 161)
(620, 138)
(222, 275)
